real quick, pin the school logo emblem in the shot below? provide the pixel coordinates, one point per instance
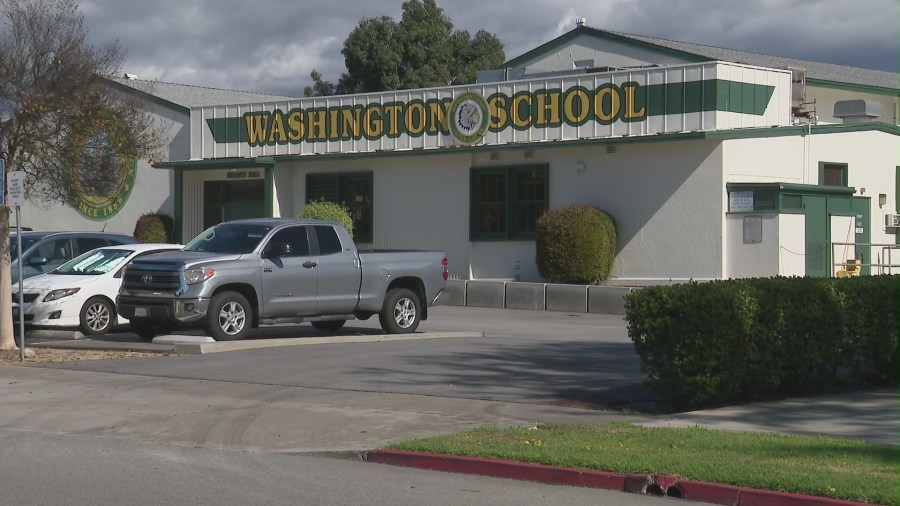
(468, 118)
(98, 194)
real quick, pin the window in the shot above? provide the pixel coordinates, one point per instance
(296, 238)
(329, 242)
(832, 174)
(354, 190)
(90, 243)
(507, 201)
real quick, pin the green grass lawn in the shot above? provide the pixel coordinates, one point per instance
(838, 468)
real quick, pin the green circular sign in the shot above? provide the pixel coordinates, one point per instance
(468, 117)
(99, 197)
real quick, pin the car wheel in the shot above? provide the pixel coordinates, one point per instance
(229, 317)
(97, 317)
(144, 329)
(401, 312)
(329, 326)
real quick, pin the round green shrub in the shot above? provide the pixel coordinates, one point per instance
(153, 228)
(575, 245)
(331, 211)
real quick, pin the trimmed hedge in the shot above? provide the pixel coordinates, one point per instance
(575, 244)
(153, 228)
(729, 342)
(331, 211)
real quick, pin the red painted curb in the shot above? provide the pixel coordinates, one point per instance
(715, 493)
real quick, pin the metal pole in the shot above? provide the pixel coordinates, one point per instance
(21, 288)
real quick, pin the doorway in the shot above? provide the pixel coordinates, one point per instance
(233, 200)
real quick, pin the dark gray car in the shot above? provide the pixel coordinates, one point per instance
(44, 251)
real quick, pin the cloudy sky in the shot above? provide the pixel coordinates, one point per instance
(271, 46)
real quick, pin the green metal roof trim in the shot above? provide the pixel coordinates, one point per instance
(817, 73)
(746, 133)
(806, 189)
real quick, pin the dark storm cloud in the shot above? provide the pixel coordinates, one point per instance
(271, 46)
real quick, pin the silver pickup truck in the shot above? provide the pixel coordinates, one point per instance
(242, 274)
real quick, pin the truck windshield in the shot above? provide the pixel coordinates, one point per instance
(238, 238)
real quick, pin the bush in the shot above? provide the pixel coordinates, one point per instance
(154, 227)
(729, 342)
(331, 211)
(575, 244)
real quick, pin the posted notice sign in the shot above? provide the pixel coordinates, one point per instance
(16, 181)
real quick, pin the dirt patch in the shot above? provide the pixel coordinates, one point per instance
(54, 356)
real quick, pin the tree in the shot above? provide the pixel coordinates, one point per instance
(60, 121)
(420, 51)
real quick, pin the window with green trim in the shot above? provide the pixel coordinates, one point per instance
(507, 201)
(354, 190)
(832, 174)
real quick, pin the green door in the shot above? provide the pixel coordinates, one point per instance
(862, 210)
(816, 235)
(233, 200)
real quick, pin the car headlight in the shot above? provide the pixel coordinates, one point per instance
(58, 294)
(198, 275)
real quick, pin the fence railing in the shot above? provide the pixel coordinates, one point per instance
(886, 259)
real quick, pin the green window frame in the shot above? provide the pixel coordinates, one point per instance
(505, 202)
(353, 189)
(833, 171)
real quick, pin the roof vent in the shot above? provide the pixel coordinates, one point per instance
(857, 111)
(580, 22)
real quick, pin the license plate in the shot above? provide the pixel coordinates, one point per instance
(141, 312)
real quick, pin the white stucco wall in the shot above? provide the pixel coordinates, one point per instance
(792, 247)
(152, 188)
(753, 259)
(772, 159)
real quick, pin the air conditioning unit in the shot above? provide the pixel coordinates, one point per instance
(892, 221)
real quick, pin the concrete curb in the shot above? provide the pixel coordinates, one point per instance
(217, 347)
(659, 485)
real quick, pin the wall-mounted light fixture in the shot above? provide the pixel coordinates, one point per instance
(882, 200)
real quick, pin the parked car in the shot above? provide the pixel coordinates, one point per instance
(81, 292)
(246, 273)
(44, 251)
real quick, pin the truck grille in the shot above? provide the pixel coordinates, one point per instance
(140, 279)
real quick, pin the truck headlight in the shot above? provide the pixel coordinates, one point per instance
(58, 294)
(198, 275)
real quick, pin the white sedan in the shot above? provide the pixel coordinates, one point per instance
(82, 292)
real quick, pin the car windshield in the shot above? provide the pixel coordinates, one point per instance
(236, 238)
(98, 261)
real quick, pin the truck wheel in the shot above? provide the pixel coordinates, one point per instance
(144, 329)
(229, 316)
(329, 326)
(401, 312)
(97, 317)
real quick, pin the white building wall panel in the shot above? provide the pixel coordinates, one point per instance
(792, 244)
(604, 53)
(773, 159)
(751, 260)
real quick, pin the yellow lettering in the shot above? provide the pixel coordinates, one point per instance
(333, 124)
(437, 116)
(607, 115)
(276, 133)
(350, 125)
(374, 124)
(630, 113)
(584, 106)
(393, 112)
(257, 124)
(547, 103)
(499, 117)
(316, 125)
(517, 119)
(415, 118)
(296, 127)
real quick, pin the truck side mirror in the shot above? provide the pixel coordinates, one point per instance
(278, 249)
